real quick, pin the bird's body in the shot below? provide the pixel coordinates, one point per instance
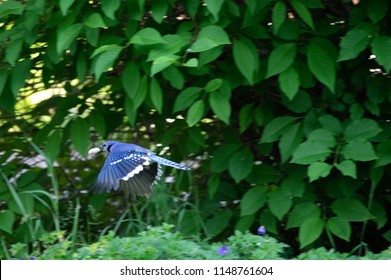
(130, 168)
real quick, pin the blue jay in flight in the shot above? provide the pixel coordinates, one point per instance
(130, 168)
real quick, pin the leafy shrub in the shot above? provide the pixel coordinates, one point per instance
(161, 243)
(281, 107)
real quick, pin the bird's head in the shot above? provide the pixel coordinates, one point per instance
(106, 146)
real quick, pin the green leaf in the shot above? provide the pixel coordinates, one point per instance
(353, 43)
(309, 152)
(278, 16)
(202, 44)
(210, 55)
(339, 227)
(215, 33)
(279, 202)
(105, 60)
(159, 10)
(7, 220)
(53, 146)
(245, 117)
(246, 58)
(359, 150)
(219, 102)
(195, 113)
(11, 8)
(214, 7)
(174, 76)
(347, 168)
(290, 139)
(3, 80)
(147, 36)
(93, 36)
(263, 174)
(192, 62)
(24, 207)
(130, 79)
(156, 94)
(275, 128)
(376, 174)
(186, 98)
(302, 212)
(383, 150)
(218, 222)
(270, 222)
(331, 124)
(376, 89)
(323, 136)
(303, 12)
(174, 45)
(66, 36)
(213, 184)
(12, 51)
(102, 49)
(95, 20)
(80, 135)
(280, 59)
(141, 93)
(162, 62)
(81, 66)
(317, 170)
(98, 121)
(322, 66)
(130, 112)
(310, 230)
(361, 129)
(65, 5)
(221, 156)
(381, 47)
(213, 85)
(241, 164)
(301, 102)
(19, 75)
(244, 223)
(209, 37)
(289, 82)
(356, 111)
(377, 9)
(351, 210)
(109, 7)
(255, 5)
(192, 7)
(295, 185)
(253, 200)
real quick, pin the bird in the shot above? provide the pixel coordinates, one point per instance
(130, 168)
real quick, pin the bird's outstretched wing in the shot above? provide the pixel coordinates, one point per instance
(133, 172)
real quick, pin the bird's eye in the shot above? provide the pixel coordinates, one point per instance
(105, 147)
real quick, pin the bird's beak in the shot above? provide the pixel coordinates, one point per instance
(94, 151)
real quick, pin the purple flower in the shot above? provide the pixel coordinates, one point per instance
(223, 250)
(261, 230)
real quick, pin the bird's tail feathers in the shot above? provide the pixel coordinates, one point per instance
(167, 162)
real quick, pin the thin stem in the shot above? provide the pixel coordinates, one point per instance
(5, 249)
(75, 223)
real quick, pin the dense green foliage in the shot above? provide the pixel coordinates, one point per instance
(161, 243)
(280, 107)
